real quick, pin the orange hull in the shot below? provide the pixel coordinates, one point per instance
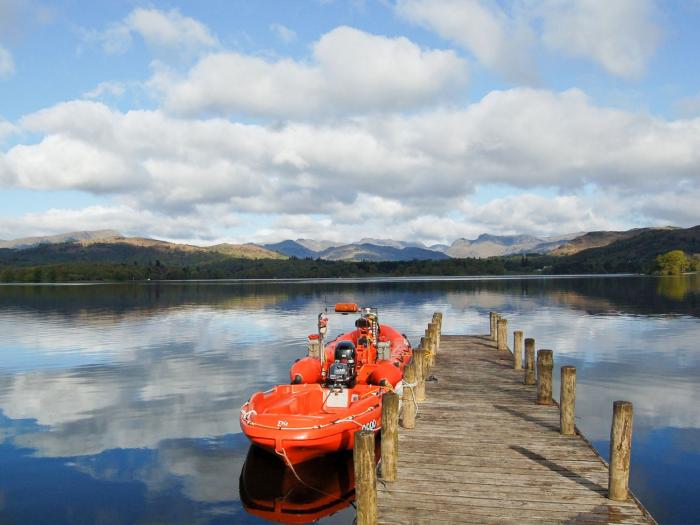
(302, 422)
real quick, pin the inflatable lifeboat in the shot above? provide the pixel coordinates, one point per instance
(334, 392)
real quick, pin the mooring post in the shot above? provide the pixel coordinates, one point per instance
(365, 478)
(545, 363)
(437, 319)
(408, 410)
(620, 451)
(567, 400)
(419, 358)
(529, 361)
(502, 330)
(433, 327)
(492, 321)
(518, 350)
(432, 342)
(390, 435)
(429, 356)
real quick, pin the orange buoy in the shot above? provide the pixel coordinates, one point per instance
(347, 308)
(306, 370)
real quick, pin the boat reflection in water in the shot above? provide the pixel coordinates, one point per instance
(317, 488)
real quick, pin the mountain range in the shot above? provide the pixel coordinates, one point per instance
(483, 246)
(109, 245)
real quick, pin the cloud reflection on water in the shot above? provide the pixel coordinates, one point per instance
(167, 369)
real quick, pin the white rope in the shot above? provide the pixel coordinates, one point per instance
(246, 414)
(413, 392)
(347, 419)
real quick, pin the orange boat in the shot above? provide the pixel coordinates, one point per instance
(334, 392)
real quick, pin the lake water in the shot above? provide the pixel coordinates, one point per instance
(119, 403)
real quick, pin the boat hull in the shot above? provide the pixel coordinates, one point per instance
(310, 428)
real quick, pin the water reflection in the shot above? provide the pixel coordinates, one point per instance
(119, 403)
(313, 490)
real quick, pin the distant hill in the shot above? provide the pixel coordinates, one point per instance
(371, 249)
(601, 251)
(372, 252)
(391, 242)
(292, 249)
(364, 250)
(635, 253)
(317, 246)
(496, 245)
(598, 239)
(131, 250)
(28, 242)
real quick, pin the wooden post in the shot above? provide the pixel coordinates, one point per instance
(545, 363)
(408, 410)
(518, 350)
(620, 451)
(433, 329)
(502, 331)
(429, 348)
(365, 478)
(419, 358)
(529, 361)
(492, 321)
(438, 331)
(390, 435)
(432, 333)
(567, 400)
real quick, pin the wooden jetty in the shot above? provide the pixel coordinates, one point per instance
(487, 447)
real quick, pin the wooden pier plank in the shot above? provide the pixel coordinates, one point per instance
(482, 451)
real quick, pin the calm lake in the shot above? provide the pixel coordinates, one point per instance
(119, 403)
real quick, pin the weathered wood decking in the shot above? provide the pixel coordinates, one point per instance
(482, 451)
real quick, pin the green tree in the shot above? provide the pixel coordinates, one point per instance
(695, 263)
(674, 262)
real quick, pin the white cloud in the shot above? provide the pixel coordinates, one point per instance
(528, 212)
(169, 29)
(282, 32)
(7, 65)
(393, 167)
(6, 129)
(620, 36)
(163, 30)
(495, 39)
(352, 71)
(689, 106)
(121, 217)
(115, 89)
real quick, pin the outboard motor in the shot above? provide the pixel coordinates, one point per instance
(341, 373)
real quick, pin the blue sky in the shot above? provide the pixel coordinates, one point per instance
(414, 119)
